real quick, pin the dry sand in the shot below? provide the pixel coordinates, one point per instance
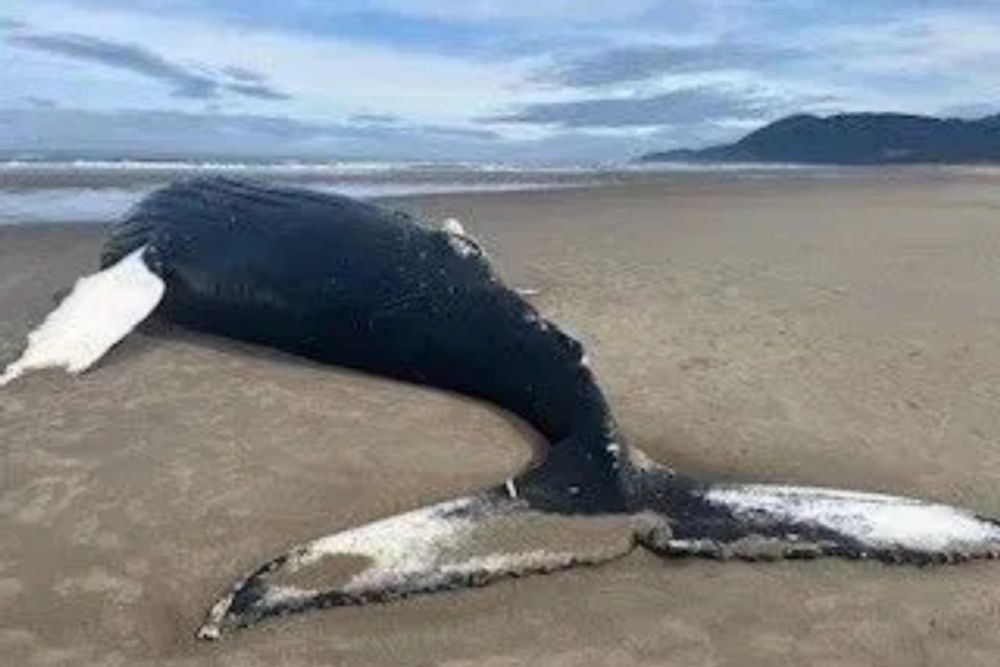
(841, 332)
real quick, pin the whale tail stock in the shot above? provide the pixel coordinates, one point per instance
(524, 527)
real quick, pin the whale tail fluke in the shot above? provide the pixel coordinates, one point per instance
(770, 521)
(467, 542)
(518, 529)
(98, 312)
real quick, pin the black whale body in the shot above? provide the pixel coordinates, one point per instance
(349, 283)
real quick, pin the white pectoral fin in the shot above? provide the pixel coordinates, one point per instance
(466, 542)
(101, 310)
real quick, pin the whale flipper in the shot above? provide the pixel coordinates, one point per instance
(98, 312)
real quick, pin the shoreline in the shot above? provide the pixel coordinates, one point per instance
(29, 176)
(82, 196)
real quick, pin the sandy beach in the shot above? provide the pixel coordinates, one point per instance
(824, 331)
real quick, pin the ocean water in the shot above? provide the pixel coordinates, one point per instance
(33, 192)
(40, 192)
(76, 204)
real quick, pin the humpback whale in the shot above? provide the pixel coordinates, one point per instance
(350, 283)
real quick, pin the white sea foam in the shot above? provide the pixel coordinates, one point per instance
(698, 167)
(335, 167)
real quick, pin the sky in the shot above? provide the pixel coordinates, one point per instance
(586, 81)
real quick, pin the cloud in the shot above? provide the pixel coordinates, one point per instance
(139, 133)
(330, 76)
(185, 82)
(641, 62)
(376, 76)
(249, 83)
(909, 45)
(260, 91)
(165, 134)
(677, 107)
(447, 131)
(156, 131)
(971, 110)
(243, 74)
(39, 102)
(492, 11)
(375, 118)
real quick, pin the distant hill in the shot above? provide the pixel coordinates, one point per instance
(856, 138)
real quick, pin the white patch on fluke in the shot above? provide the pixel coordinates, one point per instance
(873, 519)
(101, 310)
(446, 545)
(399, 547)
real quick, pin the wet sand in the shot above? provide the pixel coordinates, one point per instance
(838, 332)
